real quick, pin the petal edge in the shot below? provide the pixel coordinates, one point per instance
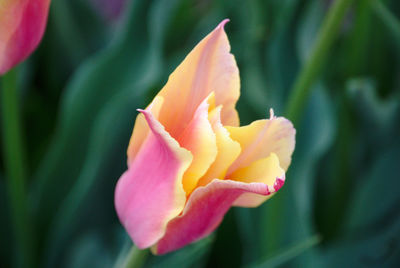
(204, 211)
(150, 193)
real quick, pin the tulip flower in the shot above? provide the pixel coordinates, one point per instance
(189, 161)
(22, 24)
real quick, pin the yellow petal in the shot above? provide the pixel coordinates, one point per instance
(208, 67)
(265, 170)
(263, 137)
(228, 150)
(199, 138)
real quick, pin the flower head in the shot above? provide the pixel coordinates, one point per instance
(189, 161)
(22, 24)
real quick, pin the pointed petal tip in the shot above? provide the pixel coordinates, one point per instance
(271, 114)
(222, 23)
(278, 184)
(146, 112)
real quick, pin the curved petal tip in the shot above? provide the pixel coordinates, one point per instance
(278, 184)
(222, 23)
(271, 114)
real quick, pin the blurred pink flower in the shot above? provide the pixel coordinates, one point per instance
(189, 160)
(22, 24)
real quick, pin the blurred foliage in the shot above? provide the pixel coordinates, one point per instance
(79, 94)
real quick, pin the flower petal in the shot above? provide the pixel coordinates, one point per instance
(142, 129)
(208, 67)
(265, 170)
(22, 24)
(263, 137)
(150, 193)
(228, 150)
(204, 211)
(199, 139)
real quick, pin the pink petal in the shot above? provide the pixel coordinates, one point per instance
(204, 211)
(142, 129)
(22, 24)
(150, 193)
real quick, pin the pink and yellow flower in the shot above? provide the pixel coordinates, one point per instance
(189, 161)
(22, 24)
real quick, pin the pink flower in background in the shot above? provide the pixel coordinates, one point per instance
(189, 161)
(22, 24)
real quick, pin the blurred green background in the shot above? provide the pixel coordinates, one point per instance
(101, 60)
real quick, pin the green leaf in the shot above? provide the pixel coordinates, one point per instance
(294, 202)
(307, 32)
(105, 124)
(314, 137)
(288, 254)
(281, 65)
(374, 112)
(377, 249)
(129, 64)
(377, 194)
(90, 250)
(109, 137)
(6, 252)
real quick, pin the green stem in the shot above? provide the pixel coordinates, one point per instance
(308, 74)
(135, 258)
(387, 17)
(15, 168)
